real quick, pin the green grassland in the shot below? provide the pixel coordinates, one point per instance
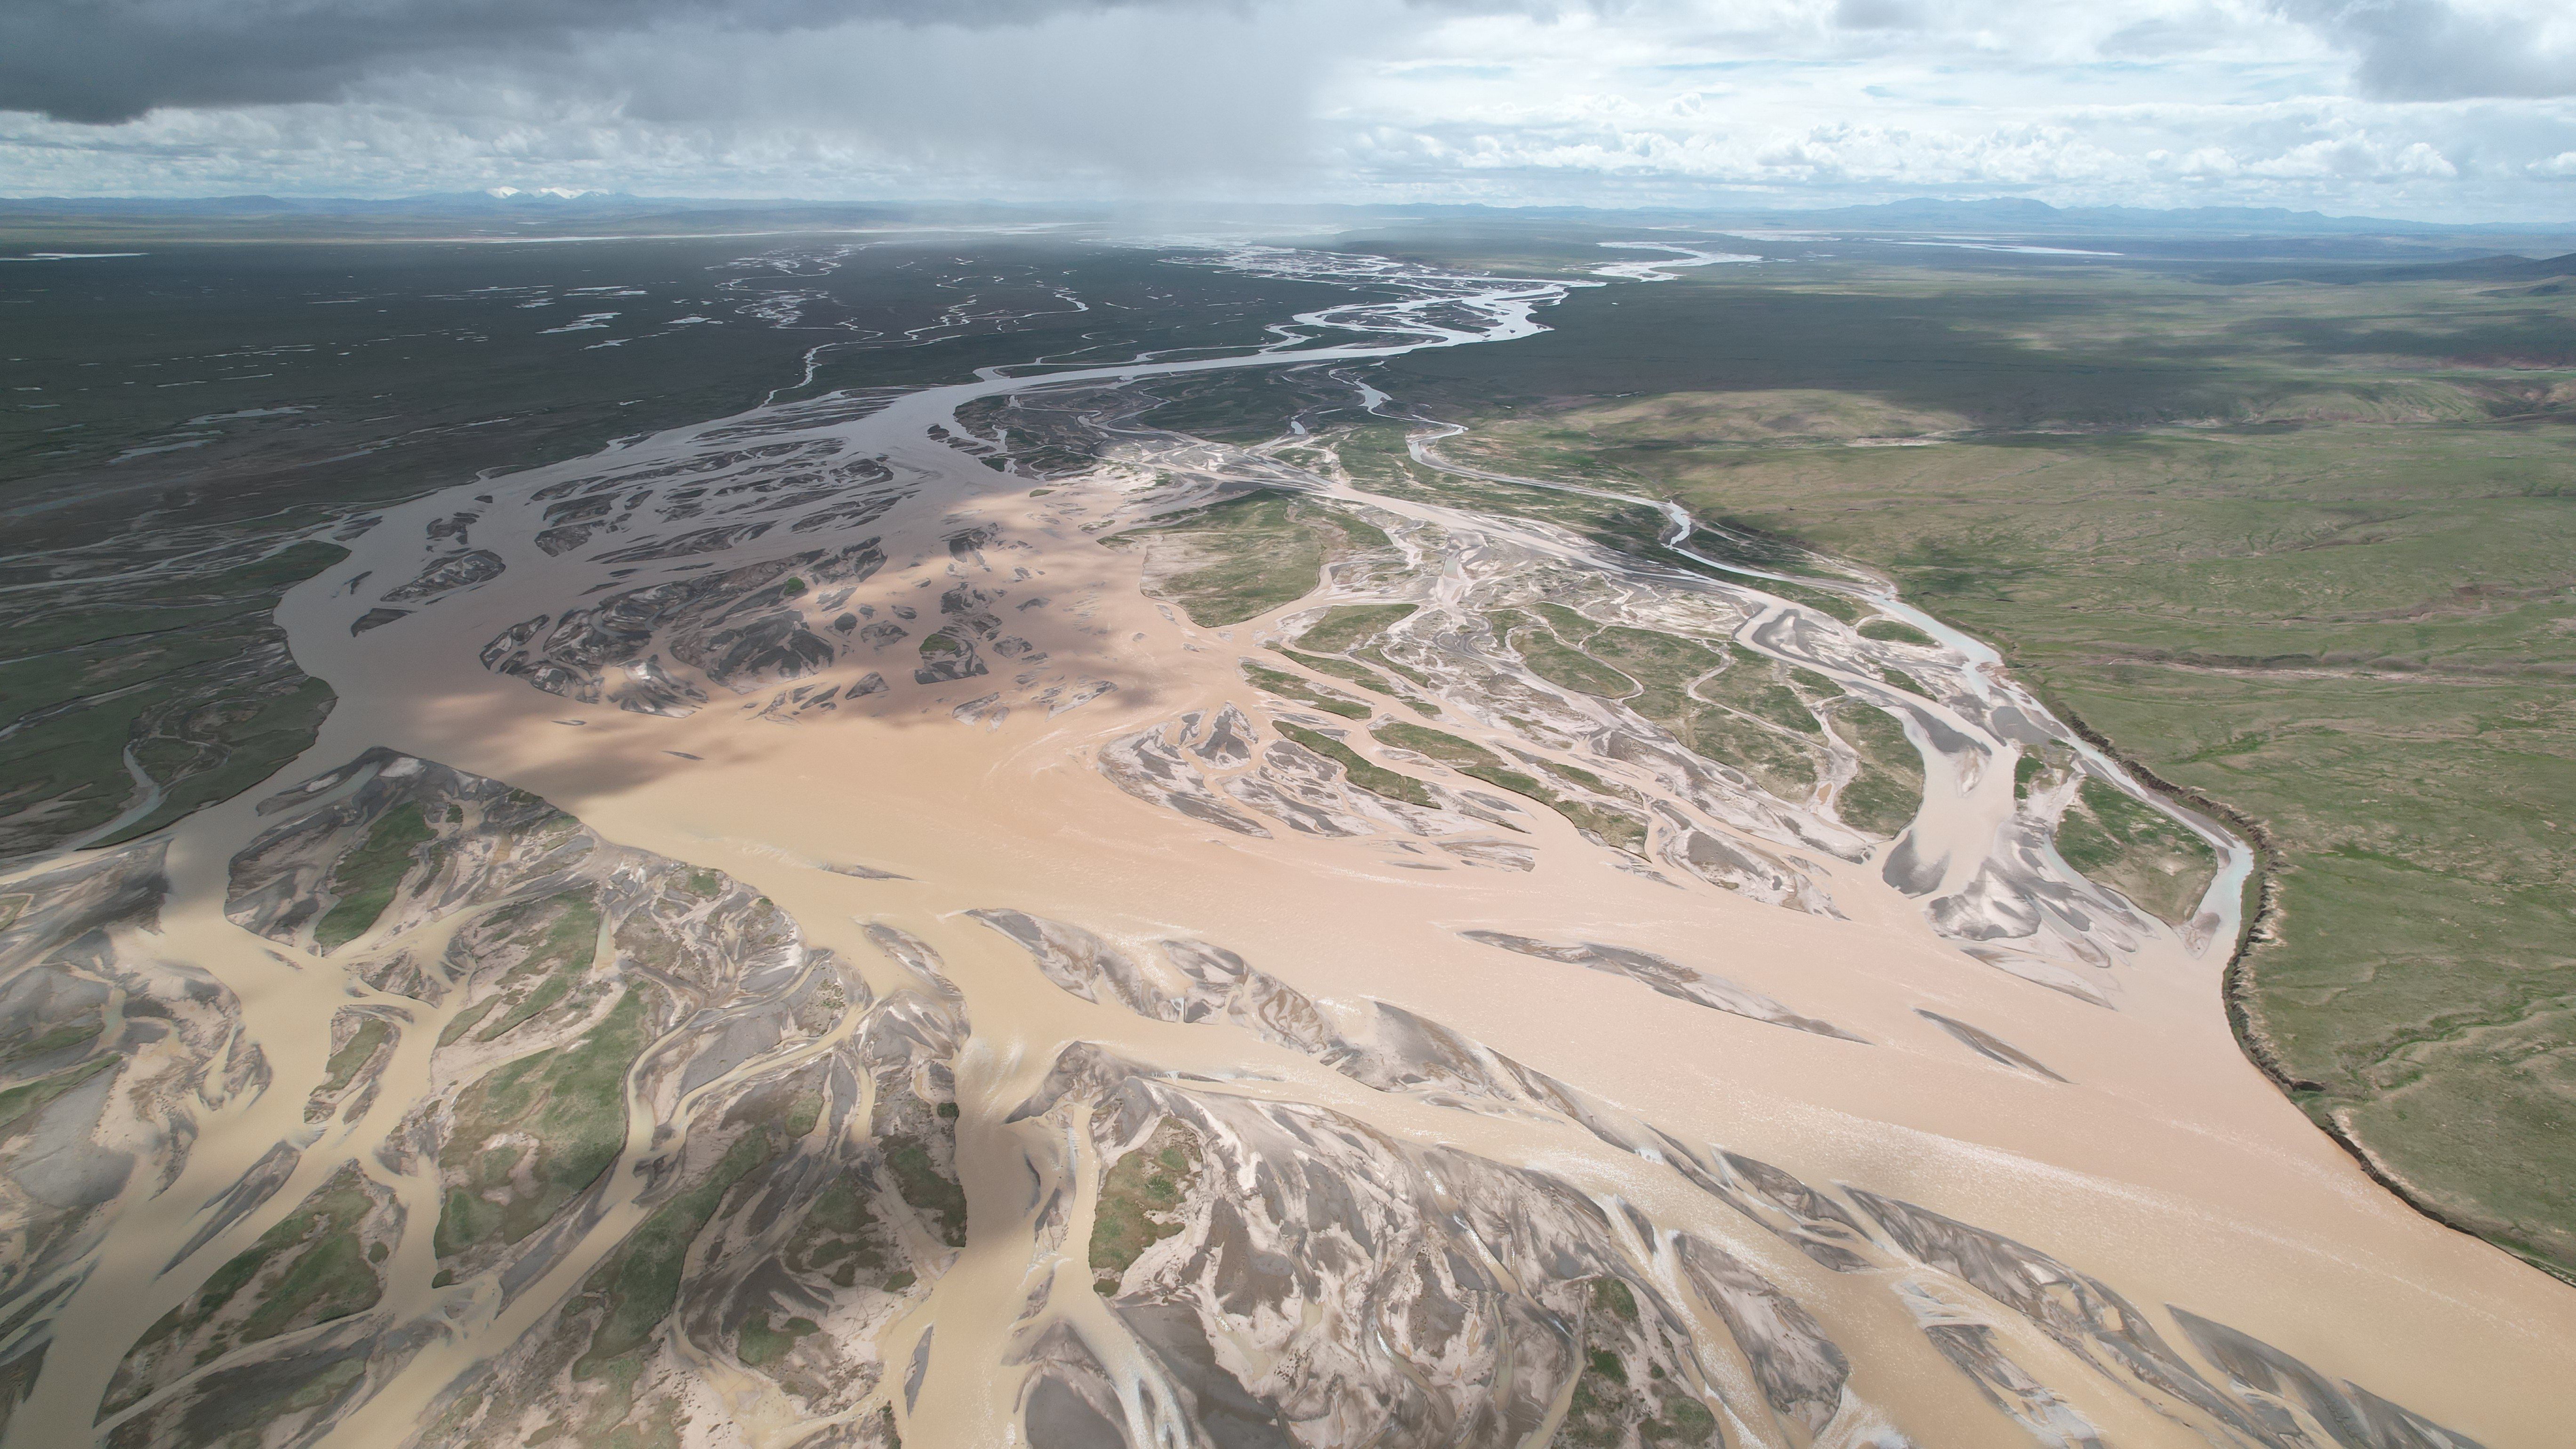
(559, 1119)
(352, 1057)
(1352, 626)
(557, 938)
(2305, 549)
(1620, 828)
(366, 878)
(2144, 854)
(313, 1267)
(640, 1281)
(1364, 773)
(1290, 687)
(1140, 1200)
(1338, 642)
(934, 1193)
(187, 672)
(1248, 555)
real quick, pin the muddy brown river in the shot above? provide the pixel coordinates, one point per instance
(917, 842)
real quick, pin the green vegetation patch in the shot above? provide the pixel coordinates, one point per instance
(40, 1038)
(1340, 668)
(1374, 454)
(1613, 1404)
(1823, 601)
(803, 1111)
(2042, 768)
(1756, 686)
(1447, 748)
(760, 1344)
(1716, 703)
(1774, 762)
(352, 1057)
(1140, 1199)
(218, 750)
(641, 1280)
(1347, 626)
(565, 929)
(1904, 681)
(1289, 686)
(1364, 773)
(190, 673)
(24, 1101)
(1619, 828)
(839, 1238)
(468, 1019)
(559, 1114)
(933, 1193)
(1246, 556)
(1616, 1298)
(281, 570)
(1559, 663)
(310, 1268)
(2136, 849)
(1249, 405)
(1572, 625)
(1895, 631)
(1615, 826)
(1888, 792)
(1664, 665)
(366, 878)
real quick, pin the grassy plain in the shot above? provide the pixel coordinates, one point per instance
(2305, 547)
(1140, 1199)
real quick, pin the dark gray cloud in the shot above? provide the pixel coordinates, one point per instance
(2308, 103)
(98, 62)
(2429, 50)
(102, 61)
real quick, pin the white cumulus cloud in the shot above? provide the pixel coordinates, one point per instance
(2149, 102)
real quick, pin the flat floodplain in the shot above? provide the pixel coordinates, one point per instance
(1158, 844)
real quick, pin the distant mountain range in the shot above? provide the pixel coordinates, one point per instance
(499, 200)
(2024, 217)
(2265, 238)
(2017, 216)
(2488, 269)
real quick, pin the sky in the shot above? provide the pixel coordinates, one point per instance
(2445, 110)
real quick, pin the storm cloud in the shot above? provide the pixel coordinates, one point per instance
(2430, 50)
(100, 61)
(2410, 107)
